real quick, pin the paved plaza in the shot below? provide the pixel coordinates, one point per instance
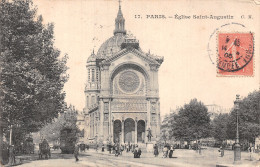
(209, 157)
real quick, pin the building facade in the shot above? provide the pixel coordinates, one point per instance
(122, 91)
(214, 110)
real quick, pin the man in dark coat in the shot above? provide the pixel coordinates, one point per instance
(109, 148)
(103, 147)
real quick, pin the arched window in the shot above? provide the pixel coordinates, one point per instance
(97, 75)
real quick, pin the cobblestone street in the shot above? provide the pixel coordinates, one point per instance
(182, 158)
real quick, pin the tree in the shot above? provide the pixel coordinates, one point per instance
(192, 122)
(219, 127)
(166, 127)
(32, 72)
(248, 118)
(68, 119)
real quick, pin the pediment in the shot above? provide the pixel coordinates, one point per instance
(133, 52)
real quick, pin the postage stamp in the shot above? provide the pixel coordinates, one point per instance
(235, 54)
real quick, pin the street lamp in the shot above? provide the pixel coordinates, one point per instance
(237, 150)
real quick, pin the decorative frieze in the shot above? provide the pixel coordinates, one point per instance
(128, 105)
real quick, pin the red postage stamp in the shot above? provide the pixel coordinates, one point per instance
(235, 54)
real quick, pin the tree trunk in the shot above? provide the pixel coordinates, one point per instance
(1, 109)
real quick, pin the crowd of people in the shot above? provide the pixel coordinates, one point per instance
(117, 149)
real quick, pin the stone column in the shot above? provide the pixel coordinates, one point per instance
(112, 130)
(89, 129)
(94, 125)
(136, 131)
(101, 127)
(145, 132)
(148, 114)
(111, 122)
(158, 123)
(123, 132)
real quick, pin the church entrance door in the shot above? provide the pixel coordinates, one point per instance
(129, 130)
(141, 131)
(117, 130)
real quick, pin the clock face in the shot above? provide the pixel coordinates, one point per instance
(129, 81)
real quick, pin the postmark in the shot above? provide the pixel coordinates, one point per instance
(235, 54)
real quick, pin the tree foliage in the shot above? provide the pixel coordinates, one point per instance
(219, 127)
(32, 72)
(248, 118)
(192, 122)
(166, 128)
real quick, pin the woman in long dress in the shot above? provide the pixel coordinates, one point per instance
(156, 151)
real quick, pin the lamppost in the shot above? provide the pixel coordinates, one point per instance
(237, 151)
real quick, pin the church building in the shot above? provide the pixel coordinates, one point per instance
(122, 91)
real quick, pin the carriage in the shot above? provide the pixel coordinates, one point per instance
(68, 139)
(82, 147)
(44, 150)
(28, 146)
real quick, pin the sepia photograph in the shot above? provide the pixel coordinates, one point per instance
(129, 83)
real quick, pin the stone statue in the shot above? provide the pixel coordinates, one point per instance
(149, 134)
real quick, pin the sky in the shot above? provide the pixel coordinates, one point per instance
(188, 70)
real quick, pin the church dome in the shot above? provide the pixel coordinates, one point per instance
(111, 46)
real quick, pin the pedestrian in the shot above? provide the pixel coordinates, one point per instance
(122, 149)
(221, 150)
(171, 151)
(76, 152)
(11, 155)
(127, 147)
(114, 148)
(109, 148)
(250, 150)
(165, 151)
(137, 152)
(117, 149)
(103, 148)
(96, 148)
(199, 147)
(156, 151)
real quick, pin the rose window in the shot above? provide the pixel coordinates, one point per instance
(129, 81)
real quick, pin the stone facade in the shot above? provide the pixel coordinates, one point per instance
(122, 91)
